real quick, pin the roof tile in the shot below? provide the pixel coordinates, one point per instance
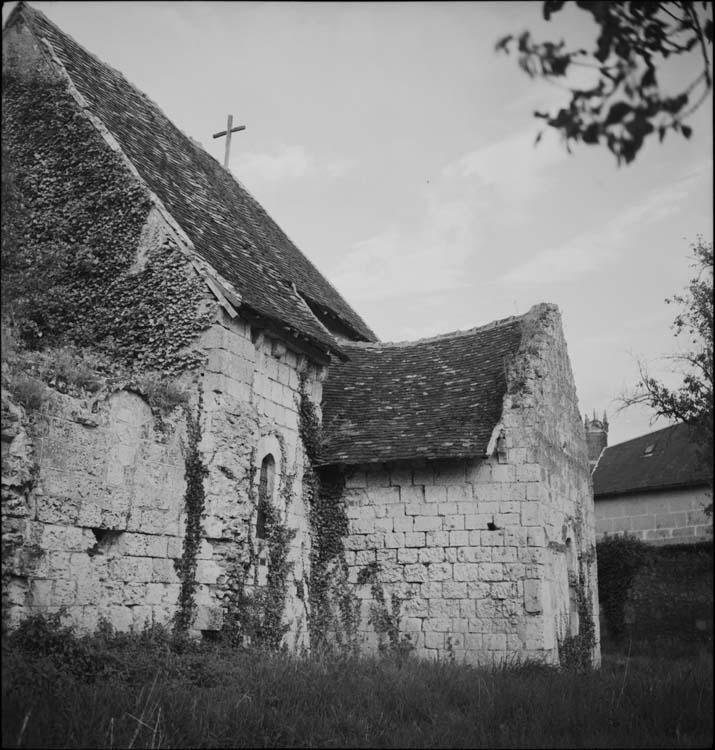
(228, 227)
(433, 398)
(661, 459)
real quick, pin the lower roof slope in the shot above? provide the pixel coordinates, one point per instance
(227, 225)
(433, 398)
(667, 458)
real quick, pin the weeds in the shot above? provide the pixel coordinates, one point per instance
(67, 369)
(166, 692)
(160, 393)
(79, 372)
(29, 391)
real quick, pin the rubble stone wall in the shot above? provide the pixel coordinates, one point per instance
(94, 512)
(102, 523)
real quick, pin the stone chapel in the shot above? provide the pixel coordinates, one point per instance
(309, 485)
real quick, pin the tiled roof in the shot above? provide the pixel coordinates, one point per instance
(227, 225)
(433, 398)
(662, 459)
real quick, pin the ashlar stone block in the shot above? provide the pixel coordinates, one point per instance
(532, 596)
(428, 523)
(440, 572)
(407, 555)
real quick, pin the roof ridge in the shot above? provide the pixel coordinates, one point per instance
(647, 435)
(439, 337)
(270, 253)
(32, 11)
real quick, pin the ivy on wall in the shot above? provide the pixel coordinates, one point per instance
(257, 614)
(576, 651)
(253, 613)
(385, 620)
(195, 501)
(72, 239)
(328, 591)
(671, 597)
(619, 560)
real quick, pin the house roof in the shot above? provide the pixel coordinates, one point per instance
(433, 398)
(228, 227)
(667, 458)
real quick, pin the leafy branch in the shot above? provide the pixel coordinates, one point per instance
(626, 104)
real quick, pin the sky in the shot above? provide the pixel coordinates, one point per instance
(395, 147)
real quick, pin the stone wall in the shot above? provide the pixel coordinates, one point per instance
(465, 589)
(487, 557)
(252, 390)
(674, 516)
(102, 521)
(484, 559)
(94, 491)
(546, 406)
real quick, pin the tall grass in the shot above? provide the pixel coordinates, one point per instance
(148, 691)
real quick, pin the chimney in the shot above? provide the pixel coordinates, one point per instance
(596, 438)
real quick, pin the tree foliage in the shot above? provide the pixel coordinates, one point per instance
(626, 104)
(692, 401)
(620, 558)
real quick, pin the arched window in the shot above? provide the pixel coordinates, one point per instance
(266, 484)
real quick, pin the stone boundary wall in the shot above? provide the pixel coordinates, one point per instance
(671, 598)
(661, 517)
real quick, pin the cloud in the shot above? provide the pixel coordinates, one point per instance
(513, 166)
(398, 262)
(288, 164)
(424, 257)
(459, 212)
(590, 251)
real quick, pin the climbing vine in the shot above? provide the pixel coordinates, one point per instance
(328, 589)
(70, 275)
(576, 651)
(385, 620)
(619, 560)
(253, 613)
(195, 501)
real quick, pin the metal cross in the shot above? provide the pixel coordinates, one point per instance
(227, 133)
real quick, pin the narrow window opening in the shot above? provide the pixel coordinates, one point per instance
(265, 494)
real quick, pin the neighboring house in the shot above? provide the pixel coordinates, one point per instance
(316, 483)
(654, 487)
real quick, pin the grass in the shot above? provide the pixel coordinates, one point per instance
(150, 691)
(68, 369)
(29, 391)
(78, 372)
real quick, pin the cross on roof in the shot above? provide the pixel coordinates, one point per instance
(227, 133)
